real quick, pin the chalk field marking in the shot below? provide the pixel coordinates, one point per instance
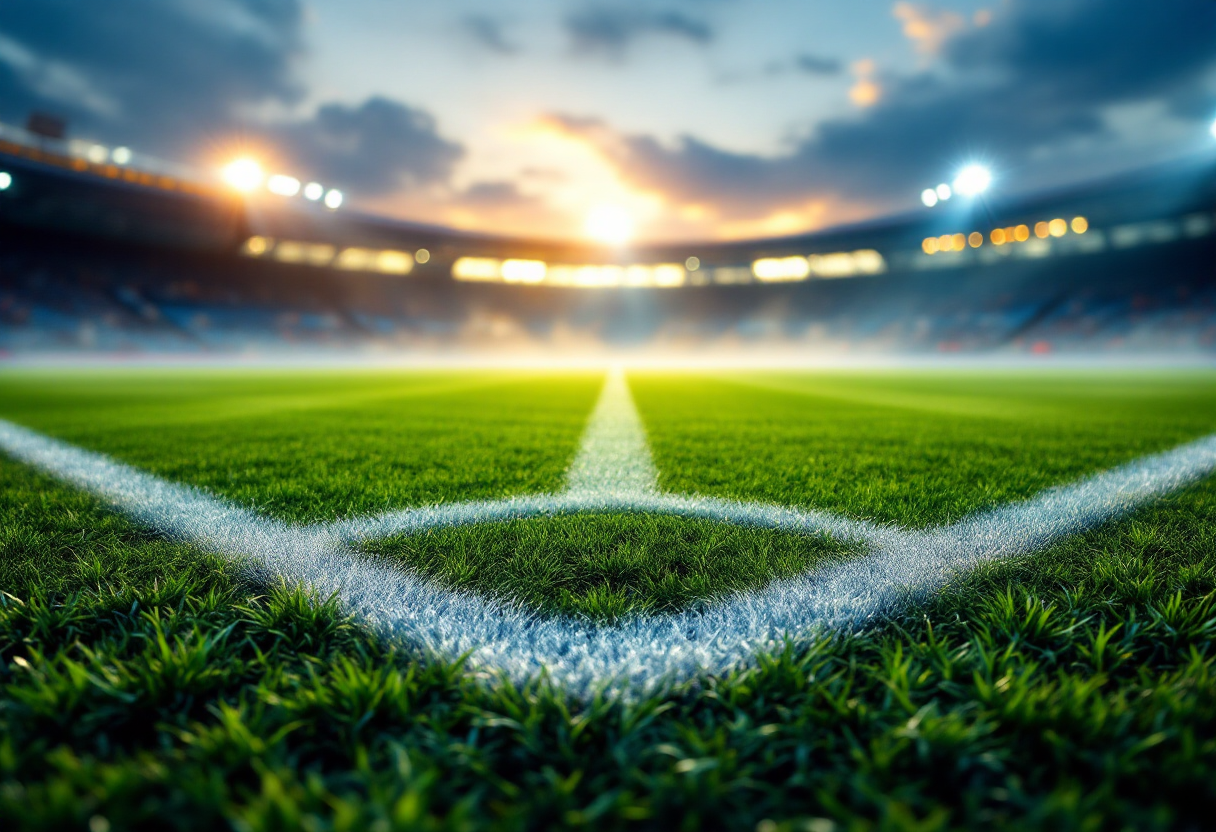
(614, 457)
(643, 652)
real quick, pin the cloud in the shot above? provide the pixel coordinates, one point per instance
(817, 65)
(495, 194)
(381, 146)
(611, 30)
(176, 77)
(155, 68)
(488, 33)
(1029, 85)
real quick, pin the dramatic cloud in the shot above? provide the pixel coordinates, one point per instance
(1031, 82)
(488, 33)
(379, 147)
(173, 76)
(159, 69)
(610, 30)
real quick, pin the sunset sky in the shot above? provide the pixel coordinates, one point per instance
(696, 118)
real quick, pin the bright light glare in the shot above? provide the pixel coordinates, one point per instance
(394, 262)
(1214, 129)
(929, 197)
(973, 180)
(523, 271)
(943, 191)
(283, 185)
(314, 191)
(333, 199)
(256, 246)
(97, 154)
(609, 224)
(121, 155)
(477, 268)
(781, 268)
(243, 174)
(6, 180)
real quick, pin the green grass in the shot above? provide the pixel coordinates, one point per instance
(605, 566)
(144, 684)
(318, 446)
(915, 448)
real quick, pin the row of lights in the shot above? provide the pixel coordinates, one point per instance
(533, 272)
(1000, 236)
(384, 261)
(765, 270)
(835, 264)
(971, 181)
(99, 154)
(246, 176)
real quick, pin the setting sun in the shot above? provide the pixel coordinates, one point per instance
(609, 224)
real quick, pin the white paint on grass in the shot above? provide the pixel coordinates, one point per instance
(613, 472)
(614, 457)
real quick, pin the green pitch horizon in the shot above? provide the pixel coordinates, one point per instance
(146, 680)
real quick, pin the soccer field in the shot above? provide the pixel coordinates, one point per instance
(369, 599)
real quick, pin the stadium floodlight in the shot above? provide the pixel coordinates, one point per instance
(972, 180)
(244, 174)
(774, 269)
(97, 154)
(943, 191)
(6, 180)
(609, 224)
(523, 271)
(929, 197)
(121, 155)
(283, 185)
(314, 191)
(333, 199)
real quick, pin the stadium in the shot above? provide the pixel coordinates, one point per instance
(324, 511)
(185, 268)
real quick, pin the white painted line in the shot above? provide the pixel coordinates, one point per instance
(613, 457)
(643, 652)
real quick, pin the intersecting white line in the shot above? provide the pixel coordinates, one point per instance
(642, 652)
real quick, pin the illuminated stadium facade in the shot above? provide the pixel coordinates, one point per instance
(141, 257)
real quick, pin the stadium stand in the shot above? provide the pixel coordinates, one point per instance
(128, 264)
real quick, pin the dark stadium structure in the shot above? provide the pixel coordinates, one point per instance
(94, 257)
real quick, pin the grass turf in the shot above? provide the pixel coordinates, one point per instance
(603, 567)
(914, 448)
(148, 685)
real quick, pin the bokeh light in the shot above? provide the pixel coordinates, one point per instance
(972, 180)
(243, 174)
(610, 224)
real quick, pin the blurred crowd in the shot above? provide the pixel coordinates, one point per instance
(84, 298)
